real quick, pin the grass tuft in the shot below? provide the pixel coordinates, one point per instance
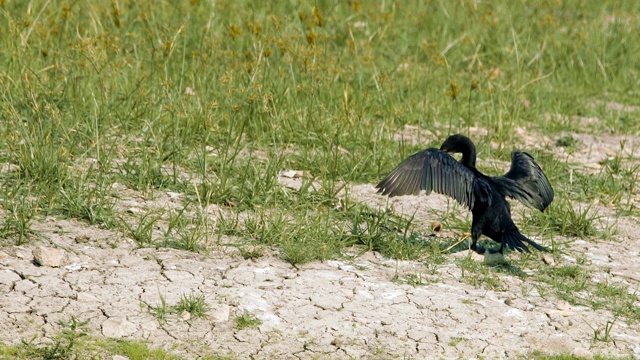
(194, 304)
(246, 320)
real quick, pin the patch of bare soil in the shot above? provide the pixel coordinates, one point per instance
(340, 309)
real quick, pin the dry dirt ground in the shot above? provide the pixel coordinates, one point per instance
(339, 309)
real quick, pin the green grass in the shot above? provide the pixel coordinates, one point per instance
(73, 343)
(215, 107)
(162, 310)
(565, 219)
(542, 356)
(576, 284)
(247, 320)
(193, 304)
(88, 348)
(105, 102)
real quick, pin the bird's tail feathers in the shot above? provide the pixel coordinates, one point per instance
(516, 241)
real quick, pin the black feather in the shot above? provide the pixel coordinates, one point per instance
(430, 170)
(534, 189)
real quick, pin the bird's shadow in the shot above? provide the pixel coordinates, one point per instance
(509, 269)
(443, 245)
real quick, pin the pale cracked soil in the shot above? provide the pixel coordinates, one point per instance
(339, 309)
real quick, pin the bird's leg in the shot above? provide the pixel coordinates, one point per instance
(495, 257)
(501, 247)
(475, 235)
(499, 251)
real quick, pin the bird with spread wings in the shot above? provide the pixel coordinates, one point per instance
(435, 170)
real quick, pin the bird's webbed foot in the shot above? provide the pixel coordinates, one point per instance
(491, 256)
(478, 248)
(494, 257)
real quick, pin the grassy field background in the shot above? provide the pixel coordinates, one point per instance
(214, 99)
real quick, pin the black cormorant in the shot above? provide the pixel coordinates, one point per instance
(435, 170)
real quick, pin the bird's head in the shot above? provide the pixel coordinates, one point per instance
(463, 145)
(457, 144)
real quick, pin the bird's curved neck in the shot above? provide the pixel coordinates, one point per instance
(469, 157)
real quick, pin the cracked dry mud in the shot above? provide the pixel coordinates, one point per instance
(337, 309)
(340, 309)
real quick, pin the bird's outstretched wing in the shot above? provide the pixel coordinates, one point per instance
(533, 188)
(434, 170)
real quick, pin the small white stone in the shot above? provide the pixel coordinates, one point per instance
(8, 167)
(292, 174)
(173, 195)
(118, 328)
(73, 267)
(515, 313)
(219, 313)
(46, 256)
